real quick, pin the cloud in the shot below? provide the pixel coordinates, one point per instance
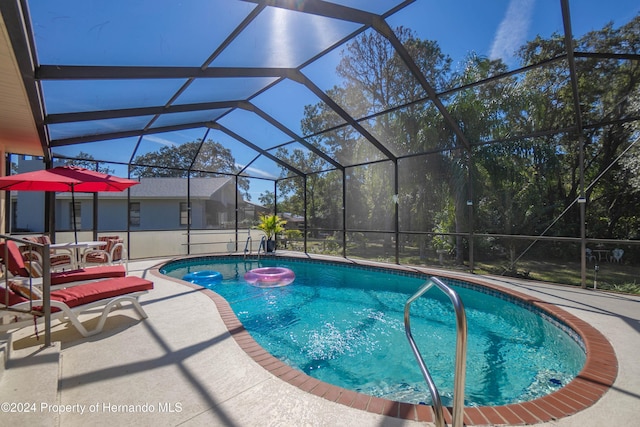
(256, 172)
(159, 140)
(512, 31)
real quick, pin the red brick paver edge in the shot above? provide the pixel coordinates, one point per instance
(595, 379)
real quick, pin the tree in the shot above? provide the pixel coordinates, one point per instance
(194, 159)
(606, 88)
(87, 161)
(524, 162)
(375, 79)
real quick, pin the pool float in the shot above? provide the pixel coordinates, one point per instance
(205, 277)
(269, 277)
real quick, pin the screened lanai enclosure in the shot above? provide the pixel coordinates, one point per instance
(497, 137)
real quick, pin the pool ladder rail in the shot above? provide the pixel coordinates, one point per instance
(262, 246)
(461, 353)
(248, 246)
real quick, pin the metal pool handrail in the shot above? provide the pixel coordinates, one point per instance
(263, 246)
(461, 353)
(247, 246)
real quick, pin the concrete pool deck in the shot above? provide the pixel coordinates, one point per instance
(182, 366)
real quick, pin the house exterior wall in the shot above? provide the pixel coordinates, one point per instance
(63, 214)
(29, 212)
(213, 207)
(112, 215)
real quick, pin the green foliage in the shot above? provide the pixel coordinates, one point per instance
(519, 185)
(198, 158)
(190, 159)
(293, 234)
(627, 288)
(87, 161)
(271, 225)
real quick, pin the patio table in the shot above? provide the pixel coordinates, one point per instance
(601, 253)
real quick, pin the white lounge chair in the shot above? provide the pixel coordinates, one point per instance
(67, 304)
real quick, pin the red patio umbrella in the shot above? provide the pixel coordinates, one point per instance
(65, 178)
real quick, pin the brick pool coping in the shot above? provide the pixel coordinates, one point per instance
(593, 381)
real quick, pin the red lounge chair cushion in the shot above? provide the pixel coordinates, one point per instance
(15, 262)
(91, 273)
(104, 289)
(13, 297)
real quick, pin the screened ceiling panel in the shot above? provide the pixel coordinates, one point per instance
(199, 116)
(122, 32)
(253, 128)
(264, 167)
(400, 136)
(242, 154)
(378, 7)
(593, 15)
(301, 156)
(283, 38)
(528, 102)
(223, 89)
(347, 146)
(377, 60)
(69, 96)
(155, 143)
(293, 113)
(115, 150)
(495, 30)
(258, 75)
(322, 71)
(95, 127)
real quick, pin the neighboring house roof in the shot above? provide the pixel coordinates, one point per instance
(165, 188)
(289, 217)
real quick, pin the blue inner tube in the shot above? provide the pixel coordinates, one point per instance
(203, 277)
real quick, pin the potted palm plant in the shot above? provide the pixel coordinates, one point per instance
(271, 225)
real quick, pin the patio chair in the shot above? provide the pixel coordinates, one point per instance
(17, 267)
(31, 253)
(589, 255)
(68, 303)
(616, 255)
(113, 252)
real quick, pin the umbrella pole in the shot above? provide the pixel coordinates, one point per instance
(73, 210)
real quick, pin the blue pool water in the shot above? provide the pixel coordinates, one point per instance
(344, 325)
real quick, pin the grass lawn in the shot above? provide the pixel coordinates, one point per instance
(611, 276)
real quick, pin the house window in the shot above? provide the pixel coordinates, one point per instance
(14, 215)
(75, 209)
(134, 214)
(185, 219)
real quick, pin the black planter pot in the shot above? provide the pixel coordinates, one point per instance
(271, 245)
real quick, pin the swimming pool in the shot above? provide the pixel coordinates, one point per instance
(343, 325)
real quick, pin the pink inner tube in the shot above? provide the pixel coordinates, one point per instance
(269, 277)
